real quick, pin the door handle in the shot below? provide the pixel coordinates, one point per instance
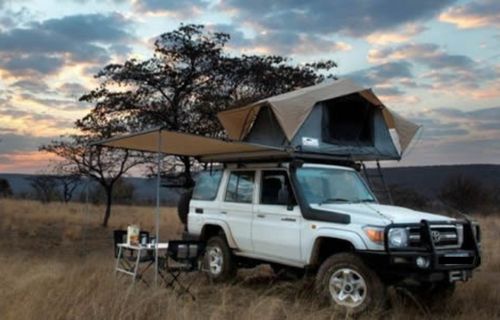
(261, 216)
(198, 210)
(223, 212)
(289, 219)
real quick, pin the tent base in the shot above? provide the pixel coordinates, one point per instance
(283, 156)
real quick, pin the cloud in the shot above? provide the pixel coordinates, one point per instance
(428, 54)
(449, 73)
(442, 123)
(382, 73)
(12, 142)
(35, 86)
(57, 102)
(31, 64)
(280, 42)
(175, 8)
(403, 35)
(25, 161)
(72, 90)
(350, 17)
(476, 14)
(45, 47)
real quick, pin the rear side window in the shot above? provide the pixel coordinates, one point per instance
(207, 185)
(240, 187)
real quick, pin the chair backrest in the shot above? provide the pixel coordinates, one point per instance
(186, 251)
(119, 236)
(143, 237)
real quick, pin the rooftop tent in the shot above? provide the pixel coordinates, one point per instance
(333, 118)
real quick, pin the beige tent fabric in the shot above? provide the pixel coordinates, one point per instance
(292, 109)
(406, 130)
(182, 144)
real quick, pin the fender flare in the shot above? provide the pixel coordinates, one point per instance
(225, 227)
(340, 234)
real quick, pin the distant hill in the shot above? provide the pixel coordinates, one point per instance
(144, 188)
(425, 180)
(429, 180)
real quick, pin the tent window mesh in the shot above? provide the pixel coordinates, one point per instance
(348, 120)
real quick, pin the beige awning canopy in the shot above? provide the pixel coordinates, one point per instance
(184, 144)
(291, 109)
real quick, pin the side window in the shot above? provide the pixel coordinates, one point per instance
(207, 185)
(240, 187)
(275, 187)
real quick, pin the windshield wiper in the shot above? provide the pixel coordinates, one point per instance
(328, 200)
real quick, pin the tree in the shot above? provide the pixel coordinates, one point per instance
(104, 165)
(464, 193)
(67, 180)
(189, 79)
(5, 189)
(44, 187)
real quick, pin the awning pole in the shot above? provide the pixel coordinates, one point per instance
(86, 224)
(158, 184)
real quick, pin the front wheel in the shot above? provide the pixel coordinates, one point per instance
(219, 262)
(345, 281)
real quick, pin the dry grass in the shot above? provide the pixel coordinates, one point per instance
(46, 274)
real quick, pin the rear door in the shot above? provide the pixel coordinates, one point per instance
(237, 206)
(276, 228)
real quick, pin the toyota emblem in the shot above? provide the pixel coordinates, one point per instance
(436, 236)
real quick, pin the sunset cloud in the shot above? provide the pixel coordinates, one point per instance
(473, 15)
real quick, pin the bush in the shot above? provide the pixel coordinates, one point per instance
(408, 197)
(5, 189)
(465, 193)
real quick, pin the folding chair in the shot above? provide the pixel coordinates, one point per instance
(128, 260)
(182, 257)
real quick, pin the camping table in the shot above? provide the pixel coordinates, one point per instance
(133, 270)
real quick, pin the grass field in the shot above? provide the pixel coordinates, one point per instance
(56, 262)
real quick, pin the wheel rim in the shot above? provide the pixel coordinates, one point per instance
(347, 287)
(215, 260)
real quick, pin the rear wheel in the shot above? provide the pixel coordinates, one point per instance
(345, 281)
(219, 262)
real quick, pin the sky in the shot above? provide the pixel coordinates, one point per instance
(436, 62)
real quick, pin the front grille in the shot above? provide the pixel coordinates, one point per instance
(443, 236)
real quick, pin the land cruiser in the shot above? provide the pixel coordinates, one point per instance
(324, 220)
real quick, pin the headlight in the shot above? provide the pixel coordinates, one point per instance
(398, 238)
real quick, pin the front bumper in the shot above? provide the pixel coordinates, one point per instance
(442, 264)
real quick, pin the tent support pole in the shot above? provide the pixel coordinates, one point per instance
(158, 185)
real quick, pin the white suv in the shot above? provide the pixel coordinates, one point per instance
(324, 220)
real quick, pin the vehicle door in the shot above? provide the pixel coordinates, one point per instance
(276, 224)
(237, 206)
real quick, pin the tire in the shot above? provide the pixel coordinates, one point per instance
(343, 278)
(219, 262)
(183, 206)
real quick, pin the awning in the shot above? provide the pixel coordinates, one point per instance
(184, 144)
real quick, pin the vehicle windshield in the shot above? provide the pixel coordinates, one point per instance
(330, 185)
